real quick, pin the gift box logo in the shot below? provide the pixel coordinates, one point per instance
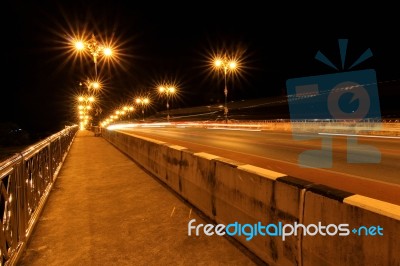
(332, 103)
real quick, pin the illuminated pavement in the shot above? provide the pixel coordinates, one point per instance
(105, 210)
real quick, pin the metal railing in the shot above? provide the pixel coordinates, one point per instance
(25, 182)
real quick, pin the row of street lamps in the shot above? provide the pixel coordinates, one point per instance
(85, 105)
(87, 101)
(166, 90)
(97, 50)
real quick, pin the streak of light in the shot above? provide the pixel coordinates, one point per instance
(363, 136)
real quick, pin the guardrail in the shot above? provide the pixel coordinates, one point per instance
(25, 182)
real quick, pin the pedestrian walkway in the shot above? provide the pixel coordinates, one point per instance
(106, 210)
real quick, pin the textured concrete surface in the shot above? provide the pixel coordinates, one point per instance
(105, 210)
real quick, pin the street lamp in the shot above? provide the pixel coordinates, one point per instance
(128, 110)
(95, 49)
(168, 91)
(226, 65)
(143, 102)
(92, 85)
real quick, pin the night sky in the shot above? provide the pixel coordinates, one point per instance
(171, 42)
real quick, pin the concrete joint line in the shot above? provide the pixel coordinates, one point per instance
(302, 202)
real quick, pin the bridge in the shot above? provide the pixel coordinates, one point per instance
(126, 199)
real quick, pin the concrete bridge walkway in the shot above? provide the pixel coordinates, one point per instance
(106, 210)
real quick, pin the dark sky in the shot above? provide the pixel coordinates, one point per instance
(171, 42)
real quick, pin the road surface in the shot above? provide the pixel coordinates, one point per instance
(278, 151)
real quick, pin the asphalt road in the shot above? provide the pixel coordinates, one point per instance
(279, 151)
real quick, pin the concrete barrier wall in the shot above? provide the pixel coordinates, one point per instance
(247, 194)
(228, 192)
(358, 248)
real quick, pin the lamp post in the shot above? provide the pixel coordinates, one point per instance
(168, 91)
(226, 65)
(95, 49)
(128, 109)
(143, 102)
(91, 85)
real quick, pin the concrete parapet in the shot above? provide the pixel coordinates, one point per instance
(230, 192)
